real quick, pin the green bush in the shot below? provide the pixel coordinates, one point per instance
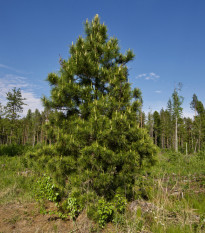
(201, 155)
(13, 150)
(46, 190)
(119, 202)
(173, 156)
(73, 207)
(105, 211)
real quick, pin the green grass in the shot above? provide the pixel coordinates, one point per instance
(16, 180)
(181, 165)
(178, 190)
(175, 188)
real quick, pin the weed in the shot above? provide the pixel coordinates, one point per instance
(46, 190)
(105, 212)
(73, 207)
(14, 219)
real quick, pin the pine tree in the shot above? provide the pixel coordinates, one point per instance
(189, 134)
(95, 115)
(199, 122)
(156, 128)
(13, 108)
(193, 104)
(15, 104)
(1, 110)
(1, 124)
(169, 124)
(175, 110)
(150, 124)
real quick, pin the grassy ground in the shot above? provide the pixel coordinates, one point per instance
(177, 188)
(174, 200)
(15, 180)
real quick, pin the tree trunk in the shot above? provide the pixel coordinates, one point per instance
(176, 137)
(34, 138)
(141, 118)
(195, 146)
(200, 136)
(37, 137)
(41, 134)
(10, 136)
(167, 142)
(155, 138)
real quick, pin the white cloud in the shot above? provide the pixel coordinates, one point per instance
(188, 113)
(4, 66)
(32, 102)
(13, 69)
(141, 75)
(148, 76)
(9, 81)
(158, 91)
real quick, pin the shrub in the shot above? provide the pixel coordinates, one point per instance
(46, 190)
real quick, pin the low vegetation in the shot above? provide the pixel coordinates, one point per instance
(168, 198)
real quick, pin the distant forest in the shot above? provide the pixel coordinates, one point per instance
(168, 128)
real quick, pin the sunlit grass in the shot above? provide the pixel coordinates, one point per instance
(15, 180)
(175, 189)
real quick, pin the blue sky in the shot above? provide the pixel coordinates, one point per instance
(167, 37)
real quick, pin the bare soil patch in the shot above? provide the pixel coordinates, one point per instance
(26, 217)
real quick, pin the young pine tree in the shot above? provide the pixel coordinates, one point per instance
(95, 116)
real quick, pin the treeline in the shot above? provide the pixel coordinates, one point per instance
(29, 130)
(168, 128)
